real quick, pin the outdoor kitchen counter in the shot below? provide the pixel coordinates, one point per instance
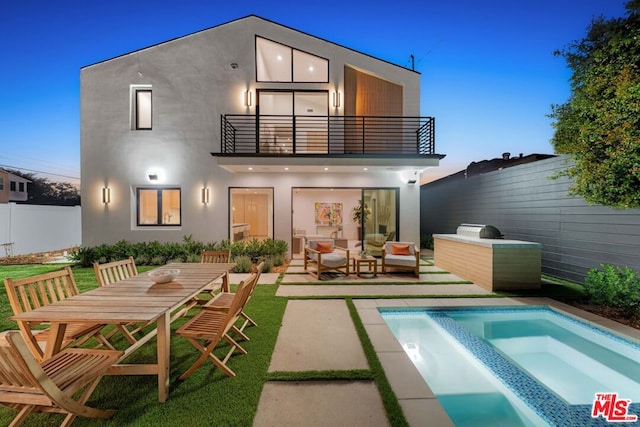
(494, 264)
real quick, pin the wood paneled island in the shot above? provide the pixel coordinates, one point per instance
(494, 264)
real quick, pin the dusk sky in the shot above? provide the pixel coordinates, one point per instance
(489, 75)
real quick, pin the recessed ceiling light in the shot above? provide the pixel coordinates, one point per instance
(286, 169)
(326, 169)
(250, 168)
(279, 57)
(365, 169)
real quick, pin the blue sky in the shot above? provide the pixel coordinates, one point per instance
(489, 75)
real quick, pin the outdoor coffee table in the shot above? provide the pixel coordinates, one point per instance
(369, 260)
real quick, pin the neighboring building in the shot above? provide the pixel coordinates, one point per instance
(218, 134)
(13, 188)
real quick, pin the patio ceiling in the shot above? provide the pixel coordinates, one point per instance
(317, 164)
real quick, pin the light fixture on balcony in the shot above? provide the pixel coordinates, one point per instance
(106, 195)
(247, 98)
(336, 99)
(205, 196)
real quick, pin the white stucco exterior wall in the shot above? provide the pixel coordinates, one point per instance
(193, 85)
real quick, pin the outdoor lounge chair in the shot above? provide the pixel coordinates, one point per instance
(111, 273)
(44, 289)
(323, 255)
(401, 255)
(223, 301)
(30, 386)
(211, 327)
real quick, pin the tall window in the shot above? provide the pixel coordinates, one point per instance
(158, 206)
(141, 107)
(12, 185)
(276, 62)
(1, 184)
(21, 187)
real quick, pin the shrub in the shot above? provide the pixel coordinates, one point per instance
(243, 264)
(278, 259)
(614, 287)
(83, 255)
(156, 253)
(426, 241)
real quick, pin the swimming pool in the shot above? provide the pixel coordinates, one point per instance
(513, 366)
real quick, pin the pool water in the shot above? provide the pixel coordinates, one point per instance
(527, 366)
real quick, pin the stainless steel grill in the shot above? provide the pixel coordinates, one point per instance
(479, 231)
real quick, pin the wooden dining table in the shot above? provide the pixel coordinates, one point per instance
(136, 299)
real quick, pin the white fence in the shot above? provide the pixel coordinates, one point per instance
(39, 228)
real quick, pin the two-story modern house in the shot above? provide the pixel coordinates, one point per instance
(251, 129)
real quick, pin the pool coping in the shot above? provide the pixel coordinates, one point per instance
(420, 406)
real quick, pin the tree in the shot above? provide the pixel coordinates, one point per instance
(599, 125)
(44, 192)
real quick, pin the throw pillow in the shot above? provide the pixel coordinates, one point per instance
(397, 249)
(324, 247)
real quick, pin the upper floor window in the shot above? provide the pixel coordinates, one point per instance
(158, 206)
(276, 62)
(141, 111)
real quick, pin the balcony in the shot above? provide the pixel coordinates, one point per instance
(334, 136)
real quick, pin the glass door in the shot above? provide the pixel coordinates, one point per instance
(380, 221)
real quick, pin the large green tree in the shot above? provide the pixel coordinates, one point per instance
(599, 125)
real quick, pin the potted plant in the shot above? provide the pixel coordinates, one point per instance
(360, 212)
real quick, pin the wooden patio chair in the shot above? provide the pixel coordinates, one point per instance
(223, 301)
(210, 291)
(211, 327)
(29, 386)
(44, 289)
(111, 273)
(401, 255)
(324, 255)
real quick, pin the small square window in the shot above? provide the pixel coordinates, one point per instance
(21, 187)
(141, 107)
(158, 207)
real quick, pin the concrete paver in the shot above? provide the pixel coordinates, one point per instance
(326, 403)
(317, 335)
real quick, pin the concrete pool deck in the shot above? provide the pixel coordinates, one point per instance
(319, 335)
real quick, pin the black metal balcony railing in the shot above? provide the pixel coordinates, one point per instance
(299, 135)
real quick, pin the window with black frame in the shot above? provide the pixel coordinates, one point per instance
(158, 206)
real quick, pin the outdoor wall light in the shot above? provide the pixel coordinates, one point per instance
(247, 98)
(336, 99)
(205, 196)
(412, 181)
(106, 195)
(153, 176)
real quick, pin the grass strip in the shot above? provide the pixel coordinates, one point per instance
(348, 375)
(389, 399)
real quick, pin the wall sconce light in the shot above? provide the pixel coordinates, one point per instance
(247, 98)
(153, 176)
(205, 196)
(106, 195)
(336, 99)
(412, 181)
